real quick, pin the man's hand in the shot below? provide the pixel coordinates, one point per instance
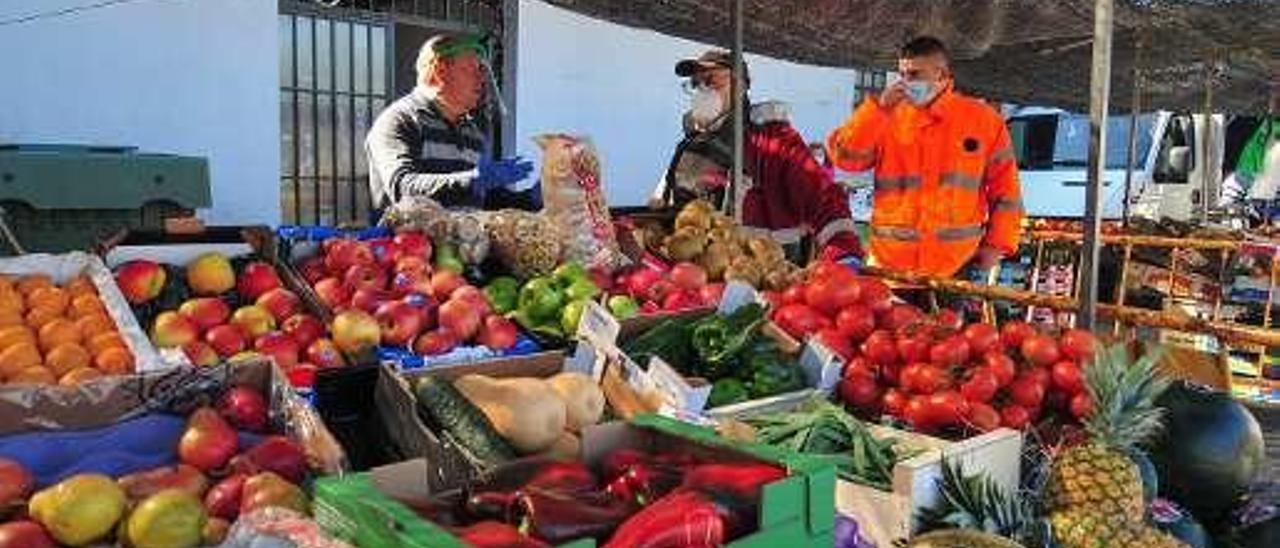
(987, 258)
(893, 94)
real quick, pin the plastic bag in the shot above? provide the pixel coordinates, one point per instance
(573, 198)
(278, 527)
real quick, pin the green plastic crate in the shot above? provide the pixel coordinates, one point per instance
(64, 197)
(797, 512)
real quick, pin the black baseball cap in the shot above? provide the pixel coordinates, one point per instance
(710, 59)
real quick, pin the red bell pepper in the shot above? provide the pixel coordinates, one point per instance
(683, 519)
(741, 480)
(644, 483)
(572, 477)
(491, 534)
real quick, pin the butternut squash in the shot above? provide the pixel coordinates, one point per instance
(583, 399)
(527, 412)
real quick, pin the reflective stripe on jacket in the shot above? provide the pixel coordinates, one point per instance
(946, 181)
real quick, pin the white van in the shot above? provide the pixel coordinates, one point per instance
(1052, 146)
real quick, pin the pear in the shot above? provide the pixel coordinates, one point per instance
(172, 518)
(80, 509)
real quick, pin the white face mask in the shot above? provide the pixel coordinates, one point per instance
(920, 92)
(705, 106)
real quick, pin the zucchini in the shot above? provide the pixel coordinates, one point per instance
(450, 412)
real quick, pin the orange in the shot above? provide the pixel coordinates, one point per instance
(58, 331)
(34, 375)
(6, 281)
(80, 285)
(12, 300)
(11, 317)
(103, 341)
(49, 297)
(77, 376)
(65, 357)
(18, 357)
(84, 305)
(114, 361)
(94, 324)
(38, 317)
(31, 282)
(15, 334)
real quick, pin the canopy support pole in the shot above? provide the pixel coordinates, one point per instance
(1134, 109)
(739, 110)
(1206, 167)
(1099, 93)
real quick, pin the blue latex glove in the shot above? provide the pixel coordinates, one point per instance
(491, 174)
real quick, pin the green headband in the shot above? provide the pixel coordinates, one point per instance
(458, 45)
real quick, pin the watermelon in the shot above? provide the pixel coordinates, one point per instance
(1209, 453)
(1265, 534)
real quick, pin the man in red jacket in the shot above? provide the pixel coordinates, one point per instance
(786, 194)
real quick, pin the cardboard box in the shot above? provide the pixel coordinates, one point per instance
(62, 268)
(373, 509)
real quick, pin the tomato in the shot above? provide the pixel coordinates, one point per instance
(983, 417)
(1012, 333)
(889, 374)
(856, 322)
(1067, 377)
(948, 319)
(860, 392)
(916, 413)
(799, 320)
(793, 294)
(825, 270)
(946, 408)
(949, 352)
(858, 367)
(914, 348)
(836, 342)
(1040, 350)
(1041, 375)
(923, 378)
(1015, 417)
(981, 386)
(1078, 345)
(1001, 366)
(828, 295)
(981, 337)
(875, 294)
(880, 349)
(901, 315)
(1026, 392)
(893, 402)
(1081, 405)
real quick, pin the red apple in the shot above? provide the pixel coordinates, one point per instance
(227, 340)
(473, 295)
(312, 269)
(497, 333)
(400, 322)
(254, 320)
(444, 283)
(140, 280)
(332, 293)
(688, 276)
(410, 263)
(283, 348)
(385, 252)
(206, 312)
(244, 408)
(16, 483)
(355, 330)
(369, 299)
(711, 294)
(342, 254)
(172, 330)
(404, 283)
(304, 328)
(303, 375)
(413, 244)
(460, 317)
(280, 302)
(426, 307)
(258, 278)
(363, 276)
(200, 354)
(435, 343)
(324, 354)
(25, 534)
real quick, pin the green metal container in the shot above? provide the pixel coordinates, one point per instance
(66, 197)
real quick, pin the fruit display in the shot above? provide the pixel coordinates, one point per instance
(658, 288)
(217, 308)
(731, 352)
(403, 293)
(58, 334)
(710, 239)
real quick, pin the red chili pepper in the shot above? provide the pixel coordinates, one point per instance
(742, 480)
(557, 516)
(572, 477)
(644, 483)
(616, 463)
(683, 519)
(492, 505)
(491, 534)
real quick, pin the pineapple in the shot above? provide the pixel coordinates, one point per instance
(976, 504)
(1095, 491)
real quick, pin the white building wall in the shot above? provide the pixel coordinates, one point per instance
(195, 77)
(616, 85)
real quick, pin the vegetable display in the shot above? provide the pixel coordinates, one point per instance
(552, 305)
(730, 351)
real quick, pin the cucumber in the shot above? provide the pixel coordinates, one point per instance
(448, 410)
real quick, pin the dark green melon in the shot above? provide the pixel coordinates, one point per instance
(1265, 534)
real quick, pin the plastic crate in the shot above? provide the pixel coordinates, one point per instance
(64, 197)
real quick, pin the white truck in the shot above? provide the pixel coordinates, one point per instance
(1169, 172)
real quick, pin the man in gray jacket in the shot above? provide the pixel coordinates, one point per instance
(432, 143)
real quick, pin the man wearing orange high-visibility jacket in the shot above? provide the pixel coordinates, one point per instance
(946, 179)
